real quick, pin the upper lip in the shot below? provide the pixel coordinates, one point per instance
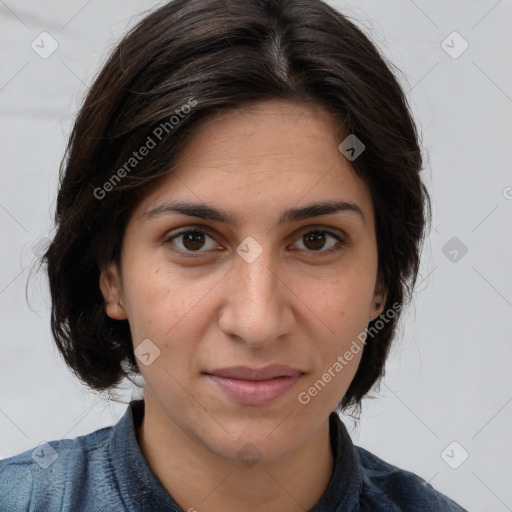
(264, 373)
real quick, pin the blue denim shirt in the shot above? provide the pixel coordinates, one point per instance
(106, 471)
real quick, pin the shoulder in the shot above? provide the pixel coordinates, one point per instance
(390, 488)
(43, 477)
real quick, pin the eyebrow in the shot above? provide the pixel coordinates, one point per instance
(207, 212)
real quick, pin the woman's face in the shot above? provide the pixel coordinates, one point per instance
(250, 287)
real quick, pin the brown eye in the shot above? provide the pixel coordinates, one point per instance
(314, 240)
(191, 240)
(321, 241)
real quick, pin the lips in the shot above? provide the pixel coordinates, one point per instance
(255, 386)
(265, 373)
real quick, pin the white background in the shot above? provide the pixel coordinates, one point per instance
(448, 377)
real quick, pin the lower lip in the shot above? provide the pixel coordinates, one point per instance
(254, 392)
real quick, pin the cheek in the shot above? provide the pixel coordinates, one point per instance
(163, 309)
(344, 303)
(343, 306)
(164, 305)
(148, 299)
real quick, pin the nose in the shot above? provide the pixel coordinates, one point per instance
(258, 307)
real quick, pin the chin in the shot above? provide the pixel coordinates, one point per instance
(267, 440)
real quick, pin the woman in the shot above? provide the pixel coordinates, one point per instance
(239, 219)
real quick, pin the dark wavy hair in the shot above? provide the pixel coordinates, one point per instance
(218, 55)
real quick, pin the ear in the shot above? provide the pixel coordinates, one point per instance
(111, 289)
(379, 299)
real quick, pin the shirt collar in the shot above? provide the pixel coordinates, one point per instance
(138, 484)
(342, 493)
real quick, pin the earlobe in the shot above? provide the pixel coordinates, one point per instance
(377, 308)
(379, 300)
(110, 286)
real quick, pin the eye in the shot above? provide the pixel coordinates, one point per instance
(315, 241)
(192, 240)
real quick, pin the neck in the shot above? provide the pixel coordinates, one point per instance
(200, 480)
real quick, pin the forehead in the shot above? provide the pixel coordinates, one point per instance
(264, 130)
(271, 155)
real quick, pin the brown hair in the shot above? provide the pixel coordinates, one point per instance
(214, 55)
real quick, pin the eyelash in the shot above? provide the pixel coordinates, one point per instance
(196, 254)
